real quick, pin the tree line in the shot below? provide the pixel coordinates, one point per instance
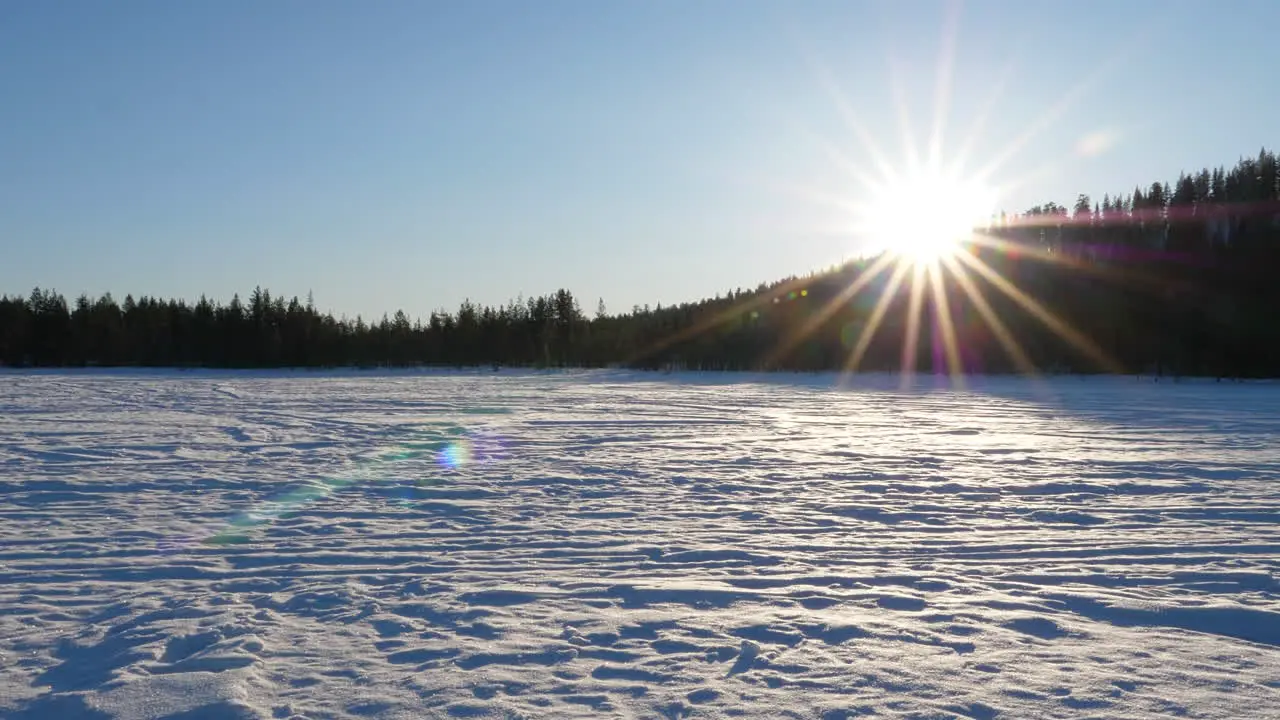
(1167, 278)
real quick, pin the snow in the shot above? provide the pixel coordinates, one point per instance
(607, 544)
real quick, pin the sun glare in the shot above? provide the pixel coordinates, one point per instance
(922, 217)
(924, 227)
(914, 220)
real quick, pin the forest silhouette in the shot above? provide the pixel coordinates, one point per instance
(1176, 279)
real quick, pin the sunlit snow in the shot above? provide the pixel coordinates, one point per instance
(521, 545)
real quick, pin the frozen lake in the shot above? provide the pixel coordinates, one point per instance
(245, 545)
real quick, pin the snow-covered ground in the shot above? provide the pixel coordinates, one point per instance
(243, 545)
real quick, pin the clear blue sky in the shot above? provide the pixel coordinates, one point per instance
(409, 154)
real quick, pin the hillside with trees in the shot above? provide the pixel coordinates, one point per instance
(1174, 278)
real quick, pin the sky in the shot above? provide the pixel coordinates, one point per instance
(409, 155)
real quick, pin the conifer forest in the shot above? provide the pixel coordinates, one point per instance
(1171, 278)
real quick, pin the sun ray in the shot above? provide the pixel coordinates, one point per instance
(873, 322)
(1069, 99)
(945, 71)
(932, 219)
(1004, 246)
(942, 311)
(817, 196)
(755, 302)
(844, 163)
(1053, 322)
(811, 324)
(911, 340)
(898, 92)
(840, 158)
(850, 118)
(984, 114)
(1038, 174)
(1129, 275)
(998, 328)
(1039, 125)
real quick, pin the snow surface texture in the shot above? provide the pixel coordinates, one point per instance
(223, 545)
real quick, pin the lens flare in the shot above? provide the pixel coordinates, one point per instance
(444, 448)
(455, 455)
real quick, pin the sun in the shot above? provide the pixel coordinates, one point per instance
(923, 216)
